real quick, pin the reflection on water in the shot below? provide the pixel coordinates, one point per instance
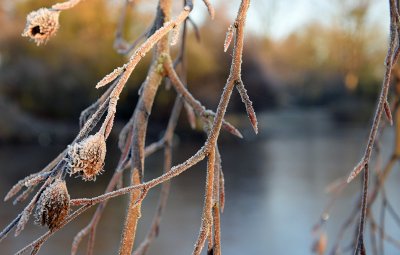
(274, 184)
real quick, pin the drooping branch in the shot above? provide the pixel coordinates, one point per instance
(132, 139)
(199, 109)
(391, 59)
(382, 107)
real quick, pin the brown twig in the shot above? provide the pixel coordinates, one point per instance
(360, 247)
(65, 5)
(139, 129)
(199, 109)
(168, 137)
(132, 140)
(154, 228)
(91, 227)
(390, 60)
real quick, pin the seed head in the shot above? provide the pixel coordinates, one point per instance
(41, 25)
(53, 205)
(87, 157)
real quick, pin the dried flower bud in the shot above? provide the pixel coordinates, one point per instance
(88, 156)
(41, 25)
(53, 205)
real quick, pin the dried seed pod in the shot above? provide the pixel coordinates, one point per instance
(53, 205)
(87, 157)
(41, 25)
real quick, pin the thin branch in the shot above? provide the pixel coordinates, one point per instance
(196, 105)
(175, 171)
(168, 137)
(36, 245)
(207, 217)
(389, 62)
(139, 130)
(154, 228)
(134, 60)
(210, 8)
(132, 140)
(86, 203)
(10, 226)
(360, 247)
(65, 5)
(91, 227)
(216, 212)
(248, 104)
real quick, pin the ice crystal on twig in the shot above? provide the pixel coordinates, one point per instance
(175, 35)
(41, 25)
(356, 171)
(225, 124)
(66, 5)
(388, 112)
(249, 105)
(25, 215)
(110, 77)
(231, 129)
(87, 157)
(228, 38)
(221, 190)
(24, 195)
(18, 186)
(53, 205)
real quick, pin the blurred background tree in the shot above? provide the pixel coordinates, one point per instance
(335, 64)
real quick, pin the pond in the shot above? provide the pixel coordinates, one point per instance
(274, 190)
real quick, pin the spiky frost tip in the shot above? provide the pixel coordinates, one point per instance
(41, 25)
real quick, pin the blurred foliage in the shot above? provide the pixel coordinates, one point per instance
(56, 80)
(319, 64)
(339, 63)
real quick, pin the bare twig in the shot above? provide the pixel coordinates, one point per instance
(248, 104)
(391, 59)
(154, 228)
(210, 8)
(360, 247)
(196, 105)
(132, 138)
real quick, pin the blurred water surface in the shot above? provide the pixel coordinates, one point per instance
(274, 184)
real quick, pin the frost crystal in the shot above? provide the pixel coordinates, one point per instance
(41, 25)
(87, 157)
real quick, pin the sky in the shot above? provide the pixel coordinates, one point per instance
(278, 19)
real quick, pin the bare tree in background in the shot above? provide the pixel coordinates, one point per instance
(86, 154)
